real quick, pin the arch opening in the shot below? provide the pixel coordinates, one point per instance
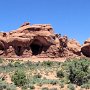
(18, 50)
(1, 47)
(36, 47)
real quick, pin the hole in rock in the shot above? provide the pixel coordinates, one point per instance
(1, 47)
(36, 47)
(18, 50)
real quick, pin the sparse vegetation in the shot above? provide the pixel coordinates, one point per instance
(86, 86)
(61, 85)
(53, 89)
(5, 86)
(60, 74)
(38, 75)
(78, 71)
(19, 78)
(45, 88)
(71, 87)
(1, 60)
(32, 87)
(28, 74)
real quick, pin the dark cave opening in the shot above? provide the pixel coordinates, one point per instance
(1, 48)
(18, 50)
(36, 47)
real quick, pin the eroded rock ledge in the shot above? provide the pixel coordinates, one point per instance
(41, 41)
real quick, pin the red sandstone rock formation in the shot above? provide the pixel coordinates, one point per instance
(86, 48)
(38, 40)
(74, 46)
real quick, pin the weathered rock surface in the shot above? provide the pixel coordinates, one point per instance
(74, 46)
(41, 41)
(86, 48)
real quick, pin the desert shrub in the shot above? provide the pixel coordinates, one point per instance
(10, 64)
(47, 63)
(38, 75)
(3, 85)
(28, 86)
(17, 64)
(19, 78)
(32, 87)
(49, 81)
(41, 81)
(40, 84)
(86, 86)
(53, 82)
(53, 88)
(71, 87)
(45, 88)
(1, 60)
(11, 87)
(38, 63)
(6, 86)
(29, 63)
(66, 80)
(34, 80)
(60, 74)
(78, 71)
(61, 85)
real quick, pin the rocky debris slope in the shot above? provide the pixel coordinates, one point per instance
(41, 41)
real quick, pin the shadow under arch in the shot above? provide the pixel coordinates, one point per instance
(36, 47)
(39, 44)
(19, 50)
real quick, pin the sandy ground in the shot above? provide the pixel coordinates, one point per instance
(35, 59)
(49, 76)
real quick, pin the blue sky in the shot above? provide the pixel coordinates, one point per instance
(68, 17)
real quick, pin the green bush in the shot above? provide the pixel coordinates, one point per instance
(60, 74)
(6, 86)
(38, 76)
(78, 71)
(32, 87)
(19, 78)
(1, 60)
(11, 87)
(61, 85)
(47, 63)
(45, 88)
(86, 86)
(10, 64)
(71, 87)
(53, 82)
(3, 85)
(17, 64)
(53, 88)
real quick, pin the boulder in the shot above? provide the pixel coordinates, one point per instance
(74, 46)
(85, 49)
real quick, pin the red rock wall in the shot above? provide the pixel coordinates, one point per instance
(36, 40)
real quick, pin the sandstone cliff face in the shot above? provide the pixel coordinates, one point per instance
(28, 40)
(37, 40)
